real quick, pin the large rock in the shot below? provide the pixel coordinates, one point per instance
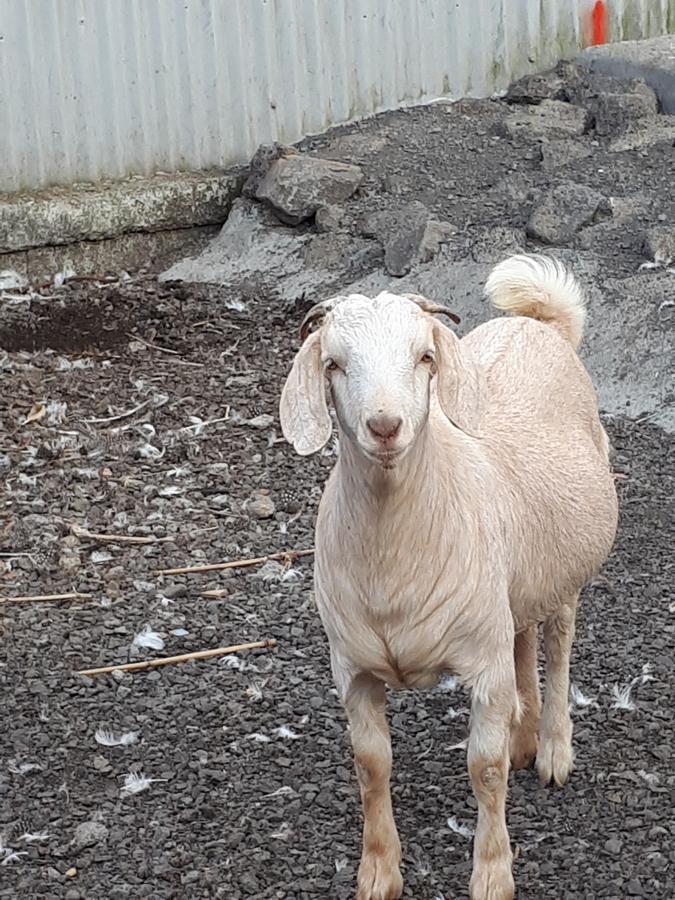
(259, 166)
(296, 186)
(555, 154)
(409, 235)
(562, 211)
(550, 118)
(553, 84)
(652, 60)
(616, 112)
(645, 133)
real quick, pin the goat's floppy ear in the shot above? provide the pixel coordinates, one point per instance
(459, 381)
(305, 421)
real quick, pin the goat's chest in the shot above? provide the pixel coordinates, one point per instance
(406, 623)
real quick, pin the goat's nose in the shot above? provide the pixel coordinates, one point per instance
(385, 428)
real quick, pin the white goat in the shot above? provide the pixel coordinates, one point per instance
(472, 499)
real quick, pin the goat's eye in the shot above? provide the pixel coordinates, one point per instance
(427, 358)
(331, 366)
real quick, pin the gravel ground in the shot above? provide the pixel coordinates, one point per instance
(145, 408)
(253, 793)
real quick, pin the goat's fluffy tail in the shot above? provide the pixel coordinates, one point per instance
(539, 287)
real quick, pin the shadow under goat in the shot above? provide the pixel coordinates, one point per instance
(472, 499)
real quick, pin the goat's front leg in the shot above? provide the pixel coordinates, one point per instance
(379, 874)
(488, 759)
(555, 757)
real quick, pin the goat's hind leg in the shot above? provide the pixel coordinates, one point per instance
(555, 756)
(525, 730)
(379, 875)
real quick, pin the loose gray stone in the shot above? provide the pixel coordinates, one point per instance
(264, 420)
(562, 211)
(613, 846)
(261, 506)
(297, 186)
(659, 244)
(327, 219)
(88, 834)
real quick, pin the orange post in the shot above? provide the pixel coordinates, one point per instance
(600, 23)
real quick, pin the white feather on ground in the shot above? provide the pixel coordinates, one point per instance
(447, 684)
(578, 699)
(149, 639)
(135, 782)
(17, 768)
(36, 837)
(100, 556)
(283, 731)
(280, 792)
(458, 828)
(254, 691)
(108, 738)
(622, 698)
(233, 662)
(622, 693)
(8, 855)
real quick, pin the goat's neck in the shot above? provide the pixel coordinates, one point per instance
(427, 477)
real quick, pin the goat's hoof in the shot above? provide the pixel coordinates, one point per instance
(492, 881)
(523, 749)
(555, 759)
(379, 878)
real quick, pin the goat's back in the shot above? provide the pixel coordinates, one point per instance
(542, 429)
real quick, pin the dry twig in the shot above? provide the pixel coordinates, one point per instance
(183, 657)
(122, 415)
(38, 598)
(116, 538)
(152, 346)
(288, 556)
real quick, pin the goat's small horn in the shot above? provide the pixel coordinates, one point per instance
(434, 309)
(316, 314)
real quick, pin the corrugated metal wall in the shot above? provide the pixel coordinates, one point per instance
(107, 88)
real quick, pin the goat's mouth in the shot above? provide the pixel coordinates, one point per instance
(387, 459)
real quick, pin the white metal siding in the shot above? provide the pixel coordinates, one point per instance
(107, 88)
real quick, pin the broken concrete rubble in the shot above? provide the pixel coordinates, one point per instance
(296, 186)
(555, 154)
(409, 235)
(616, 112)
(546, 118)
(562, 211)
(645, 133)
